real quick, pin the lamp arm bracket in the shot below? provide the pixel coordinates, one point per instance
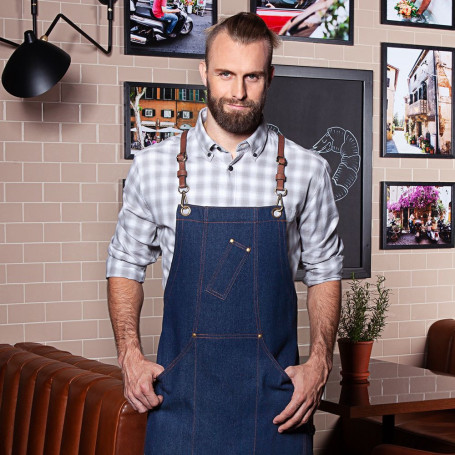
(85, 35)
(7, 41)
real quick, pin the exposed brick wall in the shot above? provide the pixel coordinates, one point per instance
(61, 167)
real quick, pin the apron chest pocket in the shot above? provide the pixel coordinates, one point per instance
(228, 268)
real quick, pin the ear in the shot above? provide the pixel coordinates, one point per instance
(203, 72)
(271, 75)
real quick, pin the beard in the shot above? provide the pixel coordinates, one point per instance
(244, 122)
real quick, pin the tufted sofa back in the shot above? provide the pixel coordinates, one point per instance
(52, 402)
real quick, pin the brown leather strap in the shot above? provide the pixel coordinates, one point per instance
(181, 158)
(281, 160)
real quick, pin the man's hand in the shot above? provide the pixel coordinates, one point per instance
(309, 380)
(139, 374)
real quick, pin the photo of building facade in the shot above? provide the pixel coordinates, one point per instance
(160, 111)
(428, 106)
(419, 101)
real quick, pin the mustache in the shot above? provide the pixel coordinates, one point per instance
(245, 103)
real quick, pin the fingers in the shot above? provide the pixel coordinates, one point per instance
(301, 407)
(142, 397)
(139, 390)
(294, 416)
(143, 401)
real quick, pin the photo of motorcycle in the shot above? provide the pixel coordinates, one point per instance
(445, 231)
(146, 29)
(393, 232)
(432, 233)
(418, 230)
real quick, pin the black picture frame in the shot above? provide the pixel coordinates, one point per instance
(190, 45)
(275, 19)
(391, 17)
(331, 110)
(404, 203)
(167, 109)
(417, 115)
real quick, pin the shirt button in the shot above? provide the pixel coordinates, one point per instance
(255, 154)
(209, 154)
(230, 168)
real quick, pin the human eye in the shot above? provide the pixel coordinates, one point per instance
(225, 74)
(253, 77)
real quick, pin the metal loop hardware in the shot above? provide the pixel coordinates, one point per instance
(278, 210)
(185, 209)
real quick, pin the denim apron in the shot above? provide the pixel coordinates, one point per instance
(229, 330)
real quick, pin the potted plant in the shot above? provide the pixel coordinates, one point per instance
(363, 315)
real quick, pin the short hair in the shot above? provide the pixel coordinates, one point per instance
(245, 28)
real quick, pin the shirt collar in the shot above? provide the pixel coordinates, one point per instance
(254, 144)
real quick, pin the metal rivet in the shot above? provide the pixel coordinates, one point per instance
(231, 241)
(194, 335)
(248, 250)
(259, 335)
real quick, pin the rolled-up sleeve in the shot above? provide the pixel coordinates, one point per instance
(135, 243)
(322, 249)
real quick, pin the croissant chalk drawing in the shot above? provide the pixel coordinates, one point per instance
(343, 142)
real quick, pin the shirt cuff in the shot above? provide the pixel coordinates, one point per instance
(122, 269)
(331, 270)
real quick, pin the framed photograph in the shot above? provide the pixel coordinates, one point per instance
(417, 215)
(153, 112)
(417, 101)
(328, 21)
(419, 13)
(159, 27)
(330, 111)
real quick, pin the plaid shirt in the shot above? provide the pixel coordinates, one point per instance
(147, 220)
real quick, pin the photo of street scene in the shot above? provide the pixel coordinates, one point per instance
(328, 20)
(423, 13)
(174, 29)
(418, 104)
(154, 112)
(417, 215)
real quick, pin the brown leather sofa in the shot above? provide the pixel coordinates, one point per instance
(389, 449)
(53, 402)
(431, 431)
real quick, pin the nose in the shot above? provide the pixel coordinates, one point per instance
(239, 89)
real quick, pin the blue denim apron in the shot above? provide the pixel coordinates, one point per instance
(229, 330)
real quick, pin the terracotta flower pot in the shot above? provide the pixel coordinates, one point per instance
(355, 358)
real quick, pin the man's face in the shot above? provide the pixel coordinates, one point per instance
(237, 78)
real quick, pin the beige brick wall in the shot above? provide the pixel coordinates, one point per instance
(61, 167)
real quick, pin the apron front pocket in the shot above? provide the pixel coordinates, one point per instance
(228, 269)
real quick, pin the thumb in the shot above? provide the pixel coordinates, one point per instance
(290, 371)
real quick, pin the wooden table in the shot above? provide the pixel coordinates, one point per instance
(392, 389)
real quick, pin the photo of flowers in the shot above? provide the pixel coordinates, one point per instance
(170, 29)
(419, 13)
(417, 101)
(417, 215)
(330, 21)
(154, 112)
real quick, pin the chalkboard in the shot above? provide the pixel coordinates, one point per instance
(330, 111)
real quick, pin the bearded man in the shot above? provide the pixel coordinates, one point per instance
(232, 222)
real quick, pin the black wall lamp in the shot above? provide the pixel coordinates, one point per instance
(37, 65)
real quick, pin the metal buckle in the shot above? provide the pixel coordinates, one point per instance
(281, 160)
(278, 210)
(185, 209)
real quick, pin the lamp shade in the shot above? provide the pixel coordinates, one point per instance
(34, 67)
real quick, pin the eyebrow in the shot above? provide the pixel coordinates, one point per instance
(222, 70)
